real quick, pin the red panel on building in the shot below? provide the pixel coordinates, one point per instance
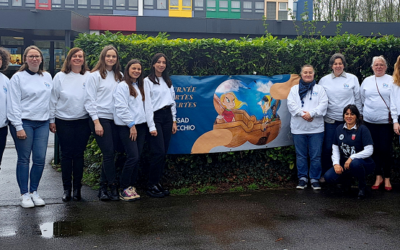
(113, 23)
(43, 4)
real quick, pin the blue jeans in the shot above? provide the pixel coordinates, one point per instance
(329, 135)
(308, 145)
(37, 133)
(359, 168)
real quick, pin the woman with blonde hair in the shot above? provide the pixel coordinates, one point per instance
(99, 103)
(70, 120)
(379, 111)
(28, 111)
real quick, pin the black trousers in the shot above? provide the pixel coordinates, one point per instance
(108, 144)
(73, 136)
(133, 149)
(159, 144)
(382, 136)
(3, 139)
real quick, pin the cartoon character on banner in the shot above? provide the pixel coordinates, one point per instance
(228, 102)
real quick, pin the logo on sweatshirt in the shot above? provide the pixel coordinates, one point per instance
(84, 84)
(346, 85)
(5, 89)
(47, 84)
(341, 137)
(314, 93)
(385, 85)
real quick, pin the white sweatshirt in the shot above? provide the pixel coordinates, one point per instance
(374, 108)
(4, 83)
(68, 96)
(316, 107)
(396, 97)
(29, 98)
(341, 91)
(128, 110)
(157, 97)
(99, 101)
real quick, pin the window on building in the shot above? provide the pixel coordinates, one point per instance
(271, 11)
(235, 6)
(247, 6)
(198, 5)
(294, 9)
(148, 4)
(174, 4)
(5, 2)
(133, 4)
(28, 3)
(259, 7)
(16, 2)
(186, 4)
(95, 4)
(283, 11)
(211, 5)
(108, 4)
(223, 5)
(82, 4)
(69, 4)
(120, 4)
(161, 4)
(54, 3)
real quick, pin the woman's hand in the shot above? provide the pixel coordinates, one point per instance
(347, 163)
(133, 133)
(306, 116)
(396, 128)
(98, 129)
(153, 133)
(52, 127)
(174, 128)
(338, 169)
(21, 135)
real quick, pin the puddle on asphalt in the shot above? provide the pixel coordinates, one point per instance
(60, 229)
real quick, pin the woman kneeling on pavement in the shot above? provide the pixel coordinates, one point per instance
(307, 103)
(131, 126)
(351, 152)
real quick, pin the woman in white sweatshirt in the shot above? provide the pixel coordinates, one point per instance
(161, 118)
(307, 103)
(4, 82)
(28, 112)
(131, 124)
(99, 103)
(378, 104)
(69, 119)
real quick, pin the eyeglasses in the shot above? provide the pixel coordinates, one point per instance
(33, 57)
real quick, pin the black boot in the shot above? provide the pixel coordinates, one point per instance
(77, 194)
(155, 192)
(114, 195)
(163, 190)
(361, 194)
(103, 194)
(66, 195)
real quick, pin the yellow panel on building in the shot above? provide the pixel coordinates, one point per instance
(180, 8)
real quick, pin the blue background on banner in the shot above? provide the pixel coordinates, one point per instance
(195, 108)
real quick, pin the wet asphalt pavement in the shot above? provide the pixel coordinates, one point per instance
(271, 219)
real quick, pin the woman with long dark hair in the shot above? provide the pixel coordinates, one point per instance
(4, 83)
(351, 152)
(70, 120)
(28, 111)
(160, 110)
(131, 124)
(99, 103)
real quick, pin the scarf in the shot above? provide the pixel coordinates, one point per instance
(304, 87)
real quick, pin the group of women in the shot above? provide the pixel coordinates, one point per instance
(121, 111)
(351, 127)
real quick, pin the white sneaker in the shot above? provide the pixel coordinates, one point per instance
(26, 201)
(37, 200)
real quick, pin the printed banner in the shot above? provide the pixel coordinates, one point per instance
(231, 113)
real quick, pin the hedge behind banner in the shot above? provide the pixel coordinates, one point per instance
(263, 56)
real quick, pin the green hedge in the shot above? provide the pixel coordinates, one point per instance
(266, 56)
